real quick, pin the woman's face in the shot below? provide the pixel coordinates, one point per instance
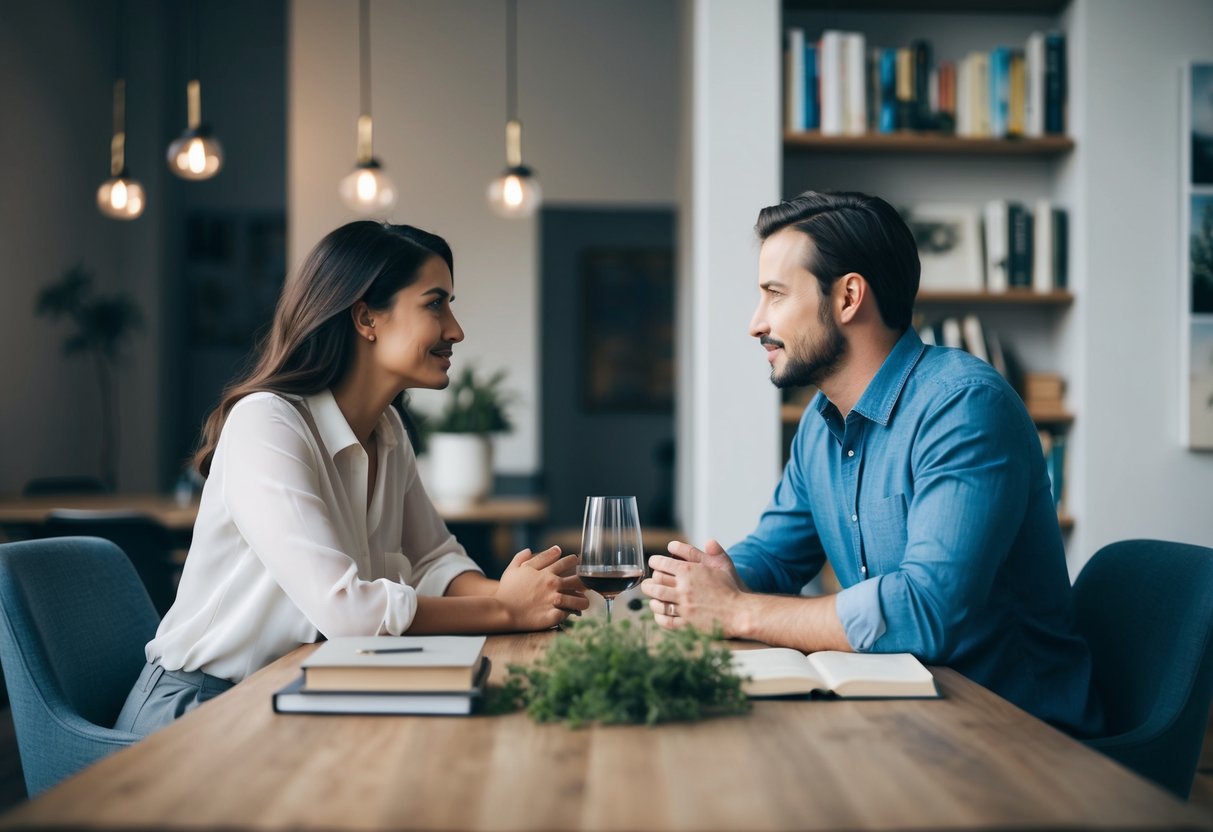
(414, 336)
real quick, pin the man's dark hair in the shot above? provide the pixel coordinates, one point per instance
(854, 232)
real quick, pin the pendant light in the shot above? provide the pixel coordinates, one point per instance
(366, 189)
(516, 193)
(196, 153)
(119, 197)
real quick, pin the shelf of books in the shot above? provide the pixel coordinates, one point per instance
(958, 117)
(982, 297)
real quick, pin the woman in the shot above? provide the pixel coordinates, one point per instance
(313, 523)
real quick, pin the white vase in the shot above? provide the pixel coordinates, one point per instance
(461, 468)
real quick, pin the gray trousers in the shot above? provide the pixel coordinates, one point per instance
(160, 696)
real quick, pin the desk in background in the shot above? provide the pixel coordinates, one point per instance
(510, 521)
(967, 761)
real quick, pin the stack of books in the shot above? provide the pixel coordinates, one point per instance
(389, 675)
(1044, 395)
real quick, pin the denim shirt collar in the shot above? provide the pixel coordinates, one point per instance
(878, 400)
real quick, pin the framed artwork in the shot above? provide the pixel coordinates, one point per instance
(1200, 129)
(1196, 247)
(949, 246)
(627, 329)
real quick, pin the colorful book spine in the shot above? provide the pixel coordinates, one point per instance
(812, 82)
(888, 91)
(1019, 274)
(1055, 84)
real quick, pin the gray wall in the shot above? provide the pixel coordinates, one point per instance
(598, 95)
(56, 75)
(1138, 480)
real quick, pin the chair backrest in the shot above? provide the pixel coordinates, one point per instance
(1145, 608)
(74, 619)
(63, 485)
(146, 542)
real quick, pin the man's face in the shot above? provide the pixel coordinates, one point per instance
(793, 321)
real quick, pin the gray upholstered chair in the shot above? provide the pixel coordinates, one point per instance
(74, 618)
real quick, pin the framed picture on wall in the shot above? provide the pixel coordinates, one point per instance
(1196, 210)
(627, 331)
(1200, 130)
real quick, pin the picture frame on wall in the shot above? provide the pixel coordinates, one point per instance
(1200, 127)
(949, 246)
(627, 330)
(1196, 248)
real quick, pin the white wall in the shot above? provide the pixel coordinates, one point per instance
(598, 97)
(1137, 480)
(55, 97)
(728, 410)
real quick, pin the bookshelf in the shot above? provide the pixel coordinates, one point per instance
(909, 167)
(924, 143)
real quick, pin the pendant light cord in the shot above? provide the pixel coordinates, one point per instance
(194, 59)
(511, 59)
(364, 54)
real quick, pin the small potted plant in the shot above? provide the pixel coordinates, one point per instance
(461, 454)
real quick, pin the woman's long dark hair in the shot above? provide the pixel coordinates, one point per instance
(311, 344)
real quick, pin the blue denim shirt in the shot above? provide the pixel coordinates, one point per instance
(932, 503)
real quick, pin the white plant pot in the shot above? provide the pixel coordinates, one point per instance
(461, 468)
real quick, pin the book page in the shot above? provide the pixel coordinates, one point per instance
(874, 674)
(776, 671)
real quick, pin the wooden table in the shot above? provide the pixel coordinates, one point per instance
(33, 511)
(968, 761)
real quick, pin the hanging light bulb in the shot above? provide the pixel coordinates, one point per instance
(120, 197)
(196, 153)
(516, 193)
(367, 189)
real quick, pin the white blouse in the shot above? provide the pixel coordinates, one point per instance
(285, 548)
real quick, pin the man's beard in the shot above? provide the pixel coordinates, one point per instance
(812, 363)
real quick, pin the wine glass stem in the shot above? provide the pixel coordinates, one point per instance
(608, 606)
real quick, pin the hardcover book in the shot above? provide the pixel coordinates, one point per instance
(394, 663)
(295, 698)
(780, 671)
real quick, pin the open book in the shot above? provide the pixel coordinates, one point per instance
(780, 671)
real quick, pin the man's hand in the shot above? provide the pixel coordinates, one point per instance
(699, 587)
(713, 555)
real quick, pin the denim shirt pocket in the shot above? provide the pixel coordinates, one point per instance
(883, 525)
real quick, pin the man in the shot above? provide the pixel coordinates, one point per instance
(916, 471)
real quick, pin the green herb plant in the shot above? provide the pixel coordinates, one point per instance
(625, 673)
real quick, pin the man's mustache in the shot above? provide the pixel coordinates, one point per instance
(774, 342)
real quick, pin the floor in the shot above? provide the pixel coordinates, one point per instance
(12, 787)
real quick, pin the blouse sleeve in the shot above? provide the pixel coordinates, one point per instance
(437, 558)
(274, 495)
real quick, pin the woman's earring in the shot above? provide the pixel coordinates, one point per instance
(371, 337)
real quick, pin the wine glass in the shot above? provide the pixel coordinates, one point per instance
(612, 557)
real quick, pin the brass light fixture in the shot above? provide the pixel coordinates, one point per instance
(196, 153)
(120, 197)
(516, 193)
(366, 189)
